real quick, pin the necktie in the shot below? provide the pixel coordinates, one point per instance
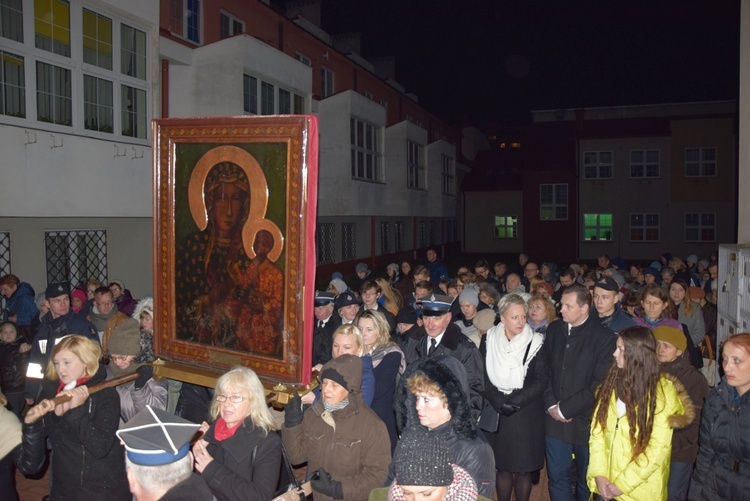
(433, 345)
(320, 324)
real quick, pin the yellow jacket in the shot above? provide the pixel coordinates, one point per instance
(610, 451)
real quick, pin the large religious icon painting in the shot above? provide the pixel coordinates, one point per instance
(235, 253)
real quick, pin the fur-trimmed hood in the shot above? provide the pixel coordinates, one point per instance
(687, 417)
(146, 304)
(450, 376)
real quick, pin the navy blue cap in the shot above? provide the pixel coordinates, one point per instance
(154, 437)
(346, 299)
(435, 305)
(323, 298)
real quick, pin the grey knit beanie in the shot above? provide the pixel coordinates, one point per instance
(422, 459)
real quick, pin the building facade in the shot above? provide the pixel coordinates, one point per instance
(82, 80)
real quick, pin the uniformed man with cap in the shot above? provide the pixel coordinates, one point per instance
(59, 321)
(325, 324)
(158, 460)
(439, 336)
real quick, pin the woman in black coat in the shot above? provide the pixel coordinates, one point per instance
(239, 456)
(516, 375)
(88, 462)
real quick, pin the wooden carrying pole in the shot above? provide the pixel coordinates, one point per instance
(36, 411)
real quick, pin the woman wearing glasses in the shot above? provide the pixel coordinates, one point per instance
(239, 455)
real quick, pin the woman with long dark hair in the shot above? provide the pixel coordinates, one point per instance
(636, 410)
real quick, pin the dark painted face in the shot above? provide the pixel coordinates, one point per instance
(229, 202)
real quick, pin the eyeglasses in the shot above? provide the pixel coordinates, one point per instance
(235, 399)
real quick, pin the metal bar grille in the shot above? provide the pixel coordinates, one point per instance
(4, 253)
(325, 242)
(348, 241)
(74, 256)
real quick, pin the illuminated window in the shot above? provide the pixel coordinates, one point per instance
(597, 227)
(506, 227)
(97, 40)
(52, 26)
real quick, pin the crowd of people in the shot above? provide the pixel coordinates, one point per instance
(478, 378)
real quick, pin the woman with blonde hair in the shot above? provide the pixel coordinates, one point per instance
(239, 455)
(87, 459)
(688, 312)
(636, 410)
(541, 314)
(388, 364)
(391, 296)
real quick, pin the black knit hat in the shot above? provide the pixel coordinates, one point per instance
(422, 459)
(334, 375)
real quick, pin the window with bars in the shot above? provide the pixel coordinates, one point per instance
(398, 236)
(75, 256)
(700, 162)
(644, 163)
(700, 227)
(553, 201)
(325, 243)
(385, 237)
(11, 19)
(506, 226)
(597, 227)
(597, 165)
(415, 165)
(426, 233)
(4, 253)
(644, 227)
(348, 241)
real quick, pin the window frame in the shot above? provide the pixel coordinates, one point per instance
(448, 172)
(505, 224)
(645, 164)
(348, 241)
(365, 140)
(599, 165)
(80, 253)
(416, 178)
(700, 226)
(598, 227)
(327, 82)
(180, 14)
(645, 226)
(233, 21)
(325, 243)
(7, 88)
(701, 162)
(14, 24)
(554, 205)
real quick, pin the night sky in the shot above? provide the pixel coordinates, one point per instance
(485, 61)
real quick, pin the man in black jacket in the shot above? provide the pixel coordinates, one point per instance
(580, 351)
(438, 336)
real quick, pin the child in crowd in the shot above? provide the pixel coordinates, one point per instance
(14, 357)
